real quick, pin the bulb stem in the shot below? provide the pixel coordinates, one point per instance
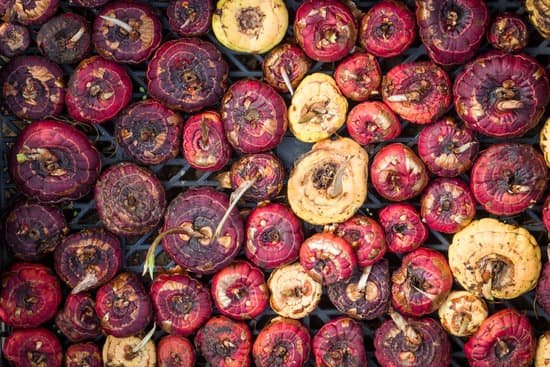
(398, 98)
(234, 198)
(86, 283)
(412, 336)
(509, 105)
(117, 22)
(149, 264)
(77, 36)
(362, 284)
(286, 79)
(145, 339)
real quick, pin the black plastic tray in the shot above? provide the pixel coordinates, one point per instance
(177, 175)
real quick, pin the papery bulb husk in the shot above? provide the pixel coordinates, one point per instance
(283, 342)
(462, 313)
(325, 29)
(422, 283)
(250, 26)
(397, 173)
(93, 254)
(366, 236)
(329, 183)
(148, 132)
(123, 306)
(201, 209)
(367, 303)
(265, 168)
(420, 92)
(358, 76)
(505, 338)
(286, 58)
(33, 87)
(30, 295)
(388, 29)
(225, 343)
(181, 303)
(187, 74)
(83, 355)
(53, 161)
(273, 236)
(240, 291)
(447, 205)
(175, 351)
(508, 178)
(539, 13)
(130, 200)
(328, 258)
(501, 95)
(204, 144)
(447, 149)
(508, 32)
(97, 90)
(318, 108)
(393, 347)
(190, 17)
(15, 39)
(495, 260)
(294, 293)
(254, 116)
(33, 230)
(404, 228)
(372, 122)
(28, 12)
(452, 31)
(65, 39)
(119, 352)
(340, 343)
(78, 320)
(133, 46)
(24, 346)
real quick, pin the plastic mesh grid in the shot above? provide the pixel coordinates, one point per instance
(177, 175)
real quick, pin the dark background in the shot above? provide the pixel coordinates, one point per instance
(177, 175)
